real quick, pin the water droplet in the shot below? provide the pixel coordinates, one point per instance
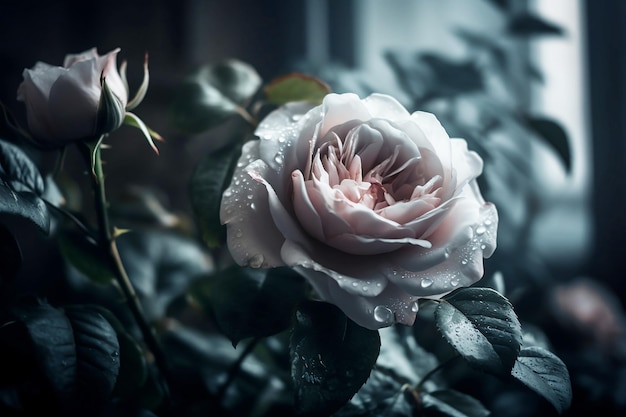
(415, 306)
(483, 246)
(481, 230)
(378, 284)
(252, 206)
(250, 196)
(228, 192)
(426, 282)
(454, 282)
(464, 261)
(355, 284)
(256, 261)
(365, 288)
(296, 117)
(238, 233)
(383, 314)
(487, 222)
(446, 253)
(115, 354)
(279, 158)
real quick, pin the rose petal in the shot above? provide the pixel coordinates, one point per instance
(340, 108)
(250, 241)
(363, 283)
(372, 312)
(385, 107)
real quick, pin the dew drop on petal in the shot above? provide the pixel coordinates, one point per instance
(481, 230)
(426, 282)
(256, 261)
(454, 282)
(279, 158)
(383, 314)
(228, 192)
(238, 233)
(252, 206)
(415, 306)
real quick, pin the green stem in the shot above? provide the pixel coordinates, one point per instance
(436, 369)
(235, 367)
(107, 242)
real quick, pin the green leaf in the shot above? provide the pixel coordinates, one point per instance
(247, 302)
(97, 353)
(133, 371)
(555, 136)
(212, 94)
(529, 25)
(209, 180)
(85, 256)
(11, 256)
(296, 87)
(21, 186)
(331, 358)
(544, 373)
(55, 352)
(451, 403)
(481, 325)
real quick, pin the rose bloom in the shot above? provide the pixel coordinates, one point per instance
(67, 104)
(374, 206)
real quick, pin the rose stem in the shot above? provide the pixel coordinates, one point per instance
(234, 369)
(107, 241)
(436, 369)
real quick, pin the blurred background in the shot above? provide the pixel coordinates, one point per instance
(537, 87)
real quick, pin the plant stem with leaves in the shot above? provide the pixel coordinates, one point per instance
(107, 241)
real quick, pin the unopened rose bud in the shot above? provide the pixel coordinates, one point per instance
(81, 100)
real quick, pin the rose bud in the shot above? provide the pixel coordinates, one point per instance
(81, 100)
(376, 207)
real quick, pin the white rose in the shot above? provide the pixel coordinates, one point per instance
(67, 104)
(375, 206)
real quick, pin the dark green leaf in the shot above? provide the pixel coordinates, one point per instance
(451, 77)
(21, 185)
(55, 352)
(544, 373)
(331, 358)
(212, 94)
(555, 136)
(451, 403)
(481, 325)
(97, 353)
(85, 256)
(161, 265)
(248, 302)
(530, 25)
(296, 87)
(210, 179)
(10, 263)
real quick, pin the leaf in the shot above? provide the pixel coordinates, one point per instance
(10, 263)
(451, 403)
(481, 325)
(247, 302)
(85, 256)
(544, 373)
(21, 186)
(212, 94)
(554, 135)
(529, 25)
(452, 77)
(208, 182)
(133, 371)
(55, 352)
(331, 358)
(97, 353)
(296, 87)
